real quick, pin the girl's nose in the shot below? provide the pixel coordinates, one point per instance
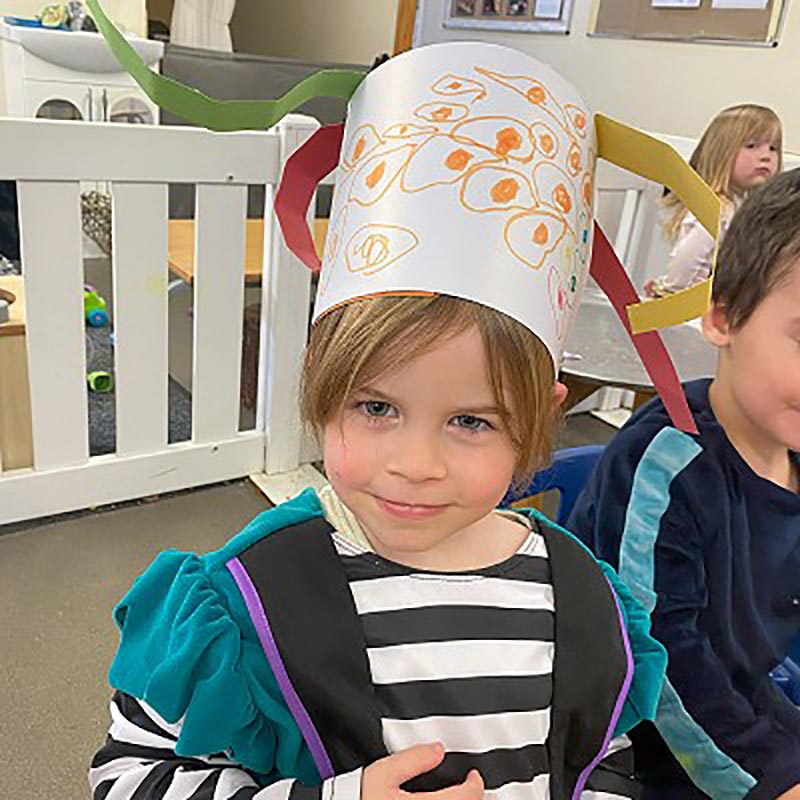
(415, 456)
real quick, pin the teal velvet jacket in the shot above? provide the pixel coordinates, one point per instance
(235, 645)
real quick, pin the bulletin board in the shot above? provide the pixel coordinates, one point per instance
(523, 16)
(639, 19)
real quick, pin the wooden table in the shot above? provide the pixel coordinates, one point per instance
(181, 248)
(598, 352)
(16, 442)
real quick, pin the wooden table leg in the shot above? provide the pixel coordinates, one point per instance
(641, 397)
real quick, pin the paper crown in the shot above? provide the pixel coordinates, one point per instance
(465, 169)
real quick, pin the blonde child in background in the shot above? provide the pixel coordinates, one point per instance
(740, 149)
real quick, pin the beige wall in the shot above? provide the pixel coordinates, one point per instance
(348, 31)
(669, 87)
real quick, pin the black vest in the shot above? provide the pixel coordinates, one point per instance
(307, 602)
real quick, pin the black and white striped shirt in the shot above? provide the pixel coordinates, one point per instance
(465, 659)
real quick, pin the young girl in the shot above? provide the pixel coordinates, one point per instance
(396, 633)
(740, 149)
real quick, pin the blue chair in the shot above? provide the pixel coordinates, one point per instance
(787, 677)
(567, 474)
(787, 674)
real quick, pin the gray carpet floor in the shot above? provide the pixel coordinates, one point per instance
(58, 585)
(102, 406)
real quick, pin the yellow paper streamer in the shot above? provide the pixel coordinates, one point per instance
(657, 161)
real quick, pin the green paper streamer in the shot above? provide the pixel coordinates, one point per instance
(220, 115)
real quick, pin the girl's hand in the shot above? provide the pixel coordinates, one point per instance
(382, 779)
(791, 794)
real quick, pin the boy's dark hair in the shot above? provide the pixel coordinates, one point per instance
(760, 247)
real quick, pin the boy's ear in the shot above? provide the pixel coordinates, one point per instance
(716, 327)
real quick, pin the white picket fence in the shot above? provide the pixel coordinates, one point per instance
(49, 160)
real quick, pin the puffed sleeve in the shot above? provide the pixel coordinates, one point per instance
(188, 650)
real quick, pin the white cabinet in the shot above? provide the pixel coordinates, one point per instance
(122, 104)
(52, 100)
(72, 75)
(93, 102)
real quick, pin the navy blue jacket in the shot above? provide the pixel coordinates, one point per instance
(713, 552)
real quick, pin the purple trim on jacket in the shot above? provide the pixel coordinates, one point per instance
(298, 711)
(626, 685)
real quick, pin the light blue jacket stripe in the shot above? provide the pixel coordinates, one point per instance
(667, 456)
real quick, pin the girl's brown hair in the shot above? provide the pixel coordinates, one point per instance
(352, 345)
(716, 152)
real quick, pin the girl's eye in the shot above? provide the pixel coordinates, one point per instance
(377, 408)
(470, 423)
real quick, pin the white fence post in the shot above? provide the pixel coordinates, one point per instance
(139, 260)
(50, 238)
(218, 301)
(285, 302)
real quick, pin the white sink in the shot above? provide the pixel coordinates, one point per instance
(77, 50)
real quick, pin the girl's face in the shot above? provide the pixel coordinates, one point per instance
(755, 163)
(420, 456)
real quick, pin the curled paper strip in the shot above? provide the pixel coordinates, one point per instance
(220, 115)
(305, 168)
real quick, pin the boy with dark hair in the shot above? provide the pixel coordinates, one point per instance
(706, 529)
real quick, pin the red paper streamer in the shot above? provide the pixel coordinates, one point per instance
(303, 171)
(610, 275)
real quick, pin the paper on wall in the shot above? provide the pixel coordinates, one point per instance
(548, 9)
(757, 5)
(675, 3)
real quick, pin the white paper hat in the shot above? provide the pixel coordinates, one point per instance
(466, 169)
